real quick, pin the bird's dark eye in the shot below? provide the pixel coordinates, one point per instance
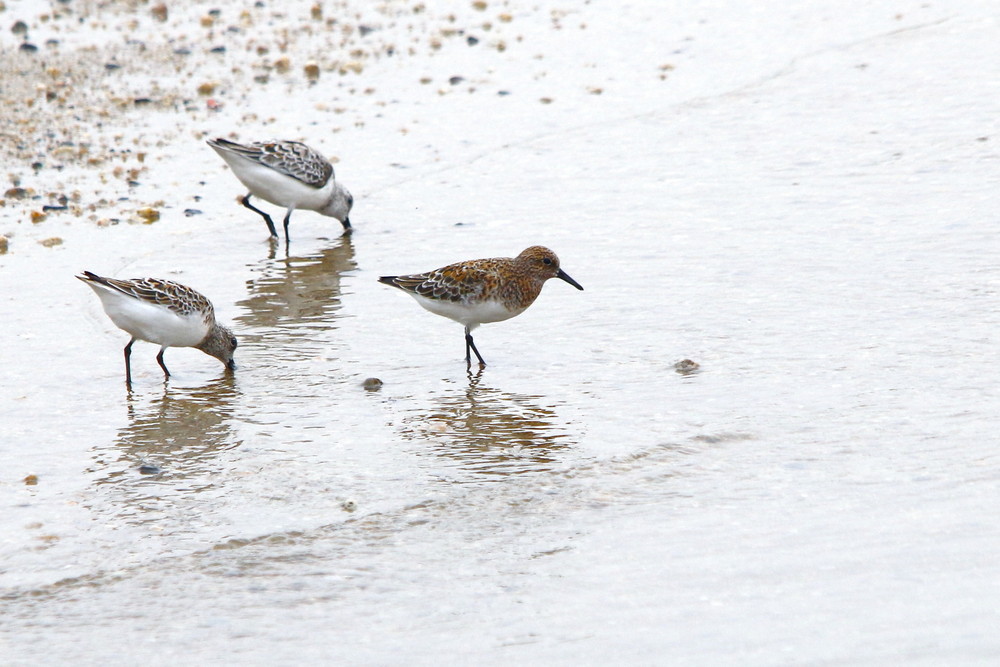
(232, 341)
(547, 260)
(350, 201)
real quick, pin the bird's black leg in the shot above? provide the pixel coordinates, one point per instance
(288, 217)
(270, 223)
(471, 345)
(159, 360)
(128, 363)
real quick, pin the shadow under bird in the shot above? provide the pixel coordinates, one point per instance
(287, 174)
(165, 313)
(483, 290)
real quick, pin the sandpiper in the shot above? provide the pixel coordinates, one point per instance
(483, 290)
(162, 312)
(288, 174)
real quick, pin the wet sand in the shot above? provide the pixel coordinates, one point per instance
(800, 203)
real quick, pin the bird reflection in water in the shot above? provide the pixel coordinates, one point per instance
(174, 440)
(490, 432)
(293, 298)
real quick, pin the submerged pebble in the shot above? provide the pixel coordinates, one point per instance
(372, 384)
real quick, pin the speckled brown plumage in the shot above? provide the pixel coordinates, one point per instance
(291, 158)
(179, 298)
(483, 290)
(162, 312)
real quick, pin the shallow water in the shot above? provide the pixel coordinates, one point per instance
(805, 205)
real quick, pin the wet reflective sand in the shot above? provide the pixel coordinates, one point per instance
(801, 203)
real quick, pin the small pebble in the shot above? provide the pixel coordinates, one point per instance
(349, 505)
(687, 367)
(51, 242)
(19, 28)
(188, 212)
(150, 469)
(149, 215)
(372, 384)
(31, 480)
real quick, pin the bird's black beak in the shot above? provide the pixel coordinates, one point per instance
(346, 223)
(565, 276)
(231, 365)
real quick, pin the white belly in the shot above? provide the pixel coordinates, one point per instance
(470, 315)
(153, 323)
(277, 188)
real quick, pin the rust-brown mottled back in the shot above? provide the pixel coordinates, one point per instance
(515, 282)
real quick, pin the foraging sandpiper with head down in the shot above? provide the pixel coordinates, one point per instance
(165, 313)
(287, 174)
(483, 290)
